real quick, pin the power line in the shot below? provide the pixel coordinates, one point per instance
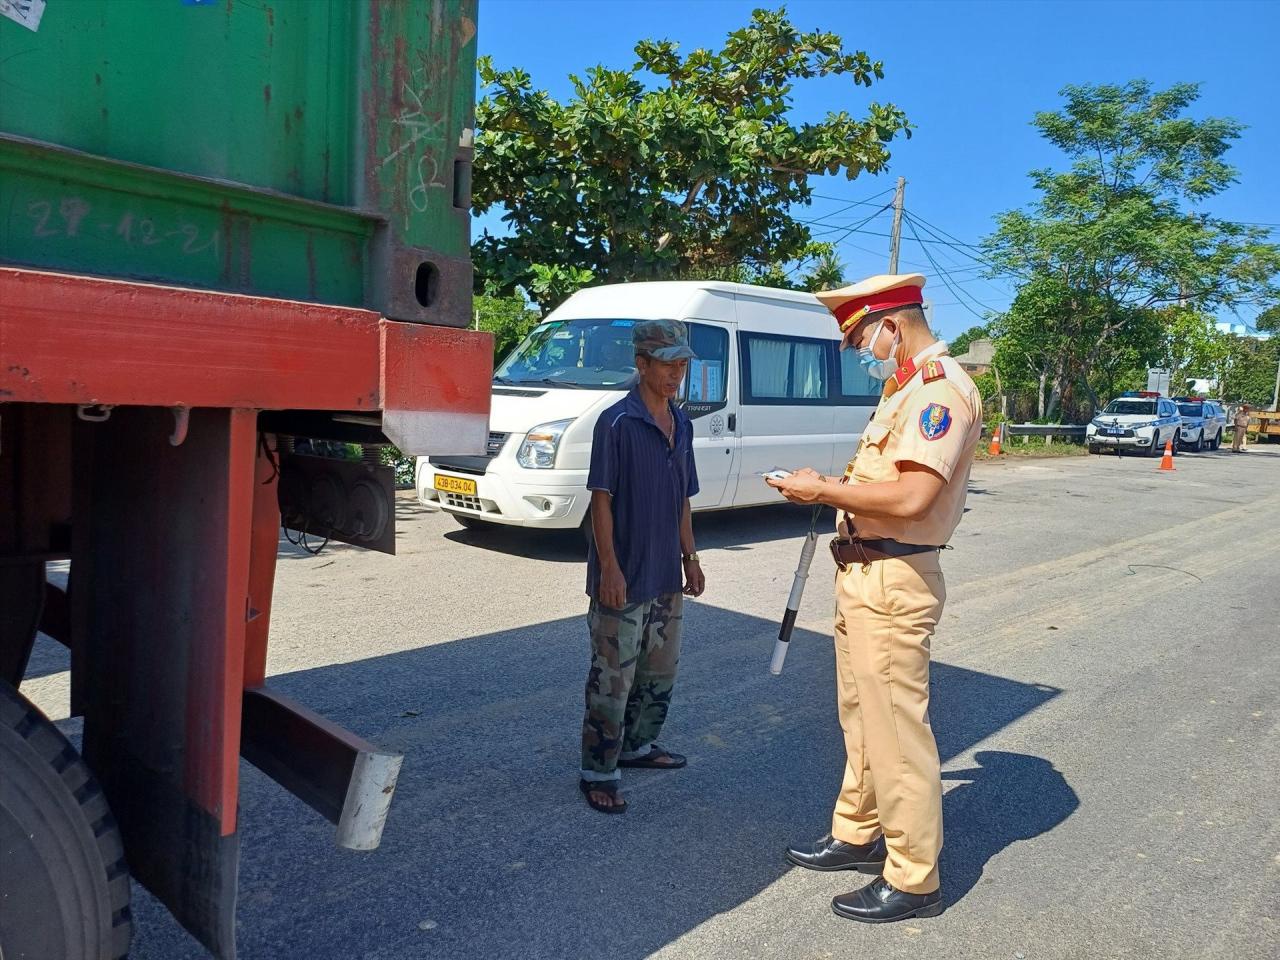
(983, 277)
(818, 221)
(859, 224)
(959, 246)
(857, 203)
(946, 278)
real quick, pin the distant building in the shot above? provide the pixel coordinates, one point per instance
(1236, 328)
(979, 358)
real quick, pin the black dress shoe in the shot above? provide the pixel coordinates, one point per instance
(879, 902)
(831, 854)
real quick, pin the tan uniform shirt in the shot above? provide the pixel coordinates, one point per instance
(1241, 419)
(930, 419)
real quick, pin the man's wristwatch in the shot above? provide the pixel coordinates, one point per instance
(686, 557)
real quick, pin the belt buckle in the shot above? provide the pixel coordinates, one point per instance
(834, 544)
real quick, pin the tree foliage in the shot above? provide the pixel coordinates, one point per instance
(1119, 265)
(507, 318)
(681, 163)
(817, 268)
(1247, 371)
(1269, 319)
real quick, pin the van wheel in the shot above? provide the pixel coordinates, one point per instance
(1216, 442)
(1199, 442)
(65, 885)
(1094, 448)
(471, 523)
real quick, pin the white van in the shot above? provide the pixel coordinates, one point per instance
(770, 388)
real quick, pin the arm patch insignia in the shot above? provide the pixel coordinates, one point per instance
(935, 421)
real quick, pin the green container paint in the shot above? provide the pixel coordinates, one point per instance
(308, 149)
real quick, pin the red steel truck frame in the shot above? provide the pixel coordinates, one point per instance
(180, 321)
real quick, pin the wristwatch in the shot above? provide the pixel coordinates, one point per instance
(686, 557)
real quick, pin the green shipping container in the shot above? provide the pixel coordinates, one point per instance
(307, 149)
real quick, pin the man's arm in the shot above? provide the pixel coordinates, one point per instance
(931, 439)
(613, 586)
(694, 581)
(910, 497)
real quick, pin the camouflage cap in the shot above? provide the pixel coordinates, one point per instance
(664, 340)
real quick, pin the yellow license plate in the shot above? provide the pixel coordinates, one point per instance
(455, 485)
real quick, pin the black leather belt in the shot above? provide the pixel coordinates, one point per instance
(849, 552)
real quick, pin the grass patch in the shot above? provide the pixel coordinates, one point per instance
(1034, 448)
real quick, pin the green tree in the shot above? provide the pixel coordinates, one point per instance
(817, 268)
(1118, 237)
(629, 179)
(507, 318)
(1247, 373)
(1193, 346)
(1268, 319)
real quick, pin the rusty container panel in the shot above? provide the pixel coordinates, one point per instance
(309, 149)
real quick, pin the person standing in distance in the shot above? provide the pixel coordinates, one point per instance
(641, 564)
(1240, 431)
(897, 505)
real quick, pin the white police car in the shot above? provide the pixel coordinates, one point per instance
(1203, 422)
(1141, 421)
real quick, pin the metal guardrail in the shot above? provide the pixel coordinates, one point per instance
(1047, 430)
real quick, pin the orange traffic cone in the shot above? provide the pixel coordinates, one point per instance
(1166, 462)
(994, 449)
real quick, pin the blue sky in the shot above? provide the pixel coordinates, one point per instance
(970, 76)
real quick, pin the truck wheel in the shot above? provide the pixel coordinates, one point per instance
(1199, 442)
(64, 889)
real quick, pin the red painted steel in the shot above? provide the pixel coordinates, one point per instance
(264, 544)
(86, 340)
(216, 782)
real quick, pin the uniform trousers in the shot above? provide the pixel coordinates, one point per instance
(886, 612)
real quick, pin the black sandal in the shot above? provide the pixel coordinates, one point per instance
(650, 760)
(610, 787)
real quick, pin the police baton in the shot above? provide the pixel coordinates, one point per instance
(797, 591)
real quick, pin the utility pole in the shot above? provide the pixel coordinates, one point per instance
(1275, 394)
(896, 237)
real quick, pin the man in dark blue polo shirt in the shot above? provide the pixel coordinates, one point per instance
(641, 564)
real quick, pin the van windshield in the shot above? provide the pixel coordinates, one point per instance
(596, 354)
(1126, 407)
(1191, 409)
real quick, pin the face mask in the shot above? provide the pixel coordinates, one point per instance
(875, 367)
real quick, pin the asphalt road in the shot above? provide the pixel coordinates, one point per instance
(1104, 695)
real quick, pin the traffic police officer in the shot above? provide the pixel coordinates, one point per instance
(897, 505)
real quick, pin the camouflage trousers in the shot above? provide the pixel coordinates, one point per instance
(634, 653)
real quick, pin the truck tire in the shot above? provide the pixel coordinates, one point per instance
(64, 889)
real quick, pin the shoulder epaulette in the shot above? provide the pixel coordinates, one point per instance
(934, 370)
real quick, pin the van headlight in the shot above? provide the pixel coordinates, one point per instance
(538, 451)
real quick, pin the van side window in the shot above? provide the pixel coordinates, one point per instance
(784, 370)
(855, 383)
(706, 381)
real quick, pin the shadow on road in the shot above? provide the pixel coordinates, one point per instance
(1010, 797)
(491, 853)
